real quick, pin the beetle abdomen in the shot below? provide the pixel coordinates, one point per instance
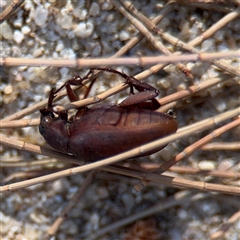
(115, 130)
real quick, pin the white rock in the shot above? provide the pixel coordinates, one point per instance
(94, 9)
(37, 52)
(67, 53)
(80, 13)
(41, 15)
(16, 51)
(64, 72)
(55, 55)
(71, 35)
(65, 20)
(124, 35)
(8, 89)
(164, 84)
(6, 31)
(207, 45)
(207, 165)
(59, 46)
(84, 30)
(106, 6)
(110, 18)
(3, 3)
(94, 219)
(18, 36)
(18, 23)
(25, 30)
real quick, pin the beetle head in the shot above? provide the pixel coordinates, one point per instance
(54, 128)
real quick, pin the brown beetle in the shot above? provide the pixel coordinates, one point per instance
(104, 131)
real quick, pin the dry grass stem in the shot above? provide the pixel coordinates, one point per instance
(131, 61)
(189, 170)
(10, 9)
(226, 226)
(221, 146)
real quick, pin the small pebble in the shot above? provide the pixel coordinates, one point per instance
(38, 218)
(80, 13)
(222, 48)
(106, 6)
(71, 35)
(219, 36)
(94, 9)
(8, 89)
(164, 84)
(3, 3)
(94, 219)
(208, 45)
(18, 36)
(84, 30)
(60, 185)
(18, 23)
(30, 232)
(128, 201)
(124, 35)
(64, 72)
(25, 29)
(207, 165)
(182, 214)
(110, 18)
(220, 105)
(65, 20)
(225, 165)
(59, 46)
(41, 15)
(16, 51)
(6, 31)
(37, 53)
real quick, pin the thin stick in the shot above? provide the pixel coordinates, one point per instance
(19, 123)
(225, 226)
(134, 61)
(10, 9)
(190, 170)
(233, 146)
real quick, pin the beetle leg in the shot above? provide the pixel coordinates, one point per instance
(132, 81)
(141, 99)
(76, 81)
(50, 98)
(146, 91)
